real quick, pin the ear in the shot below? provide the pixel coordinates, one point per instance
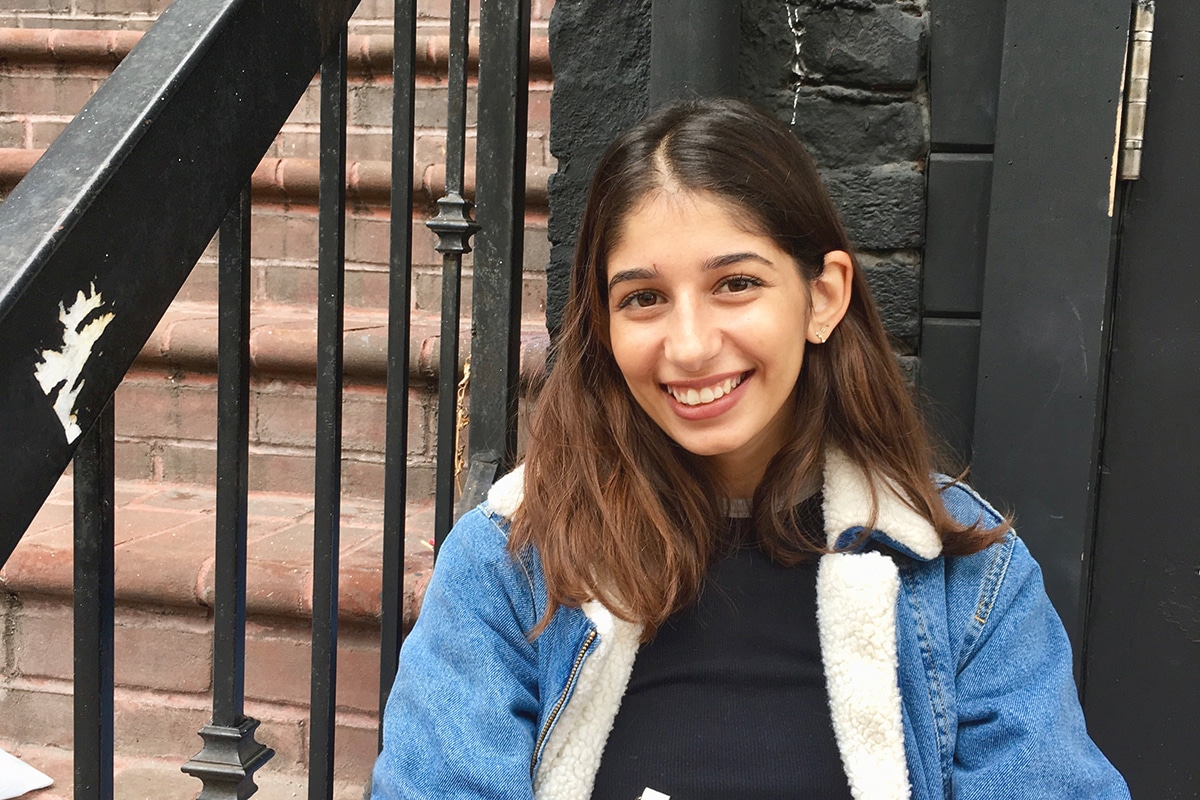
(830, 294)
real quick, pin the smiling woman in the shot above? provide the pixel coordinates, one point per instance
(696, 331)
(727, 567)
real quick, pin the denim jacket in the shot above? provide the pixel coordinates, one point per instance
(947, 676)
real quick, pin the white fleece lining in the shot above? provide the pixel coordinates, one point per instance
(848, 505)
(506, 494)
(856, 618)
(571, 757)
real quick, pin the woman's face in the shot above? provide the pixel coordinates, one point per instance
(707, 323)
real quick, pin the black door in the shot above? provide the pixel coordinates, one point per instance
(1142, 659)
(1061, 339)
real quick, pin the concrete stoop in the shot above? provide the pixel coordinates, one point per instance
(163, 636)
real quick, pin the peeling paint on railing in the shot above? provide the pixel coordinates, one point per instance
(62, 369)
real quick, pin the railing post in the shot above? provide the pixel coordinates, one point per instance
(331, 256)
(230, 755)
(454, 228)
(395, 488)
(499, 256)
(94, 606)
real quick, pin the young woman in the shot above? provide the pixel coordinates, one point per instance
(727, 568)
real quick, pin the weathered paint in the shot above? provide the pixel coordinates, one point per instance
(62, 369)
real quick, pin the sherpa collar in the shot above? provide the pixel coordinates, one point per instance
(847, 508)
(856, 621)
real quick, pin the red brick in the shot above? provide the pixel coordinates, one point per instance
(158, 724)
(188, 462)
(355, 745)
(279, 666)
(38, 712)
(40, 92)
(284, 235)
(12, 132)
(367, 288)
(165, 651)
(42, 639)
(201, 284)
(169, 652)
(367, 239)
(135, 460)
(42, 133)
(295, 284)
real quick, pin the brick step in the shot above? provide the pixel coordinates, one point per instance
(166, 406)
(163, 633)
(46, 75)
(284, 236)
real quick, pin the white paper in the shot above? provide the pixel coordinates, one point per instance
(17, 777)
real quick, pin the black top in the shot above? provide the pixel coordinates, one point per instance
(729, 698)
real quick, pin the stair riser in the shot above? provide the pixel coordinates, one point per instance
(284, 258)
(163, 676)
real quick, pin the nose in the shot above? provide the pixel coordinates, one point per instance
(693, 337)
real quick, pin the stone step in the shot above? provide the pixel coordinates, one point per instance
(164, 580)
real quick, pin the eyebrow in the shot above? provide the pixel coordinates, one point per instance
(716, 262)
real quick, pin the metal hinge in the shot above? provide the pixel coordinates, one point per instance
(1137, 91)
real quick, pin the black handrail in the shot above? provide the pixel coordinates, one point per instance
(96, 227)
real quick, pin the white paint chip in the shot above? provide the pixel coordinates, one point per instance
(61, 369)
(651, 794)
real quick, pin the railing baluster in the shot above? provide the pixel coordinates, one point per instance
(230, 755)
(500, 195)
(399, 299)
(454, 228)
(93, 482)
(331, 253)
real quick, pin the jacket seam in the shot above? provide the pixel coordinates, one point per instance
(989, 592)
(937, 700)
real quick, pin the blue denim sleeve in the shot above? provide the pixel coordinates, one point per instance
(461, 717)
(1021, 732)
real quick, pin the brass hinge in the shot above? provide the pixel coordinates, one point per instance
(1137, 91)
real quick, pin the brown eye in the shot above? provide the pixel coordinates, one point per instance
(643, 299)
(740, 283)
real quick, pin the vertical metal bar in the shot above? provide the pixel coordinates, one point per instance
(94, 610)
(231, 755)
(500, 178)
(233, 436)
(399, 300)
(330, 281)
(454, 228)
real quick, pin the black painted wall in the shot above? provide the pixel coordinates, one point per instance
(847, 75)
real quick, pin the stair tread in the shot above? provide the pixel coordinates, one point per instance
(283, 339)
(164, 537)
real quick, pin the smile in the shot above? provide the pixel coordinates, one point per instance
(690, 396)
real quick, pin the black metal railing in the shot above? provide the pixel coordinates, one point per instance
(100, 235)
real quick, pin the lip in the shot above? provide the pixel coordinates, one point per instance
(709, 410)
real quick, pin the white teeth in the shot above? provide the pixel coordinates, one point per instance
(693, 397)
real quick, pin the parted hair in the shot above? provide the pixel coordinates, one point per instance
(617, 511)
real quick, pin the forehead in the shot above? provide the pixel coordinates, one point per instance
(664, 213)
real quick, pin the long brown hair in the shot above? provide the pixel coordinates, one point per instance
(620, 513)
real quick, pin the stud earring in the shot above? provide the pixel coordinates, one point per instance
(821, 333)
